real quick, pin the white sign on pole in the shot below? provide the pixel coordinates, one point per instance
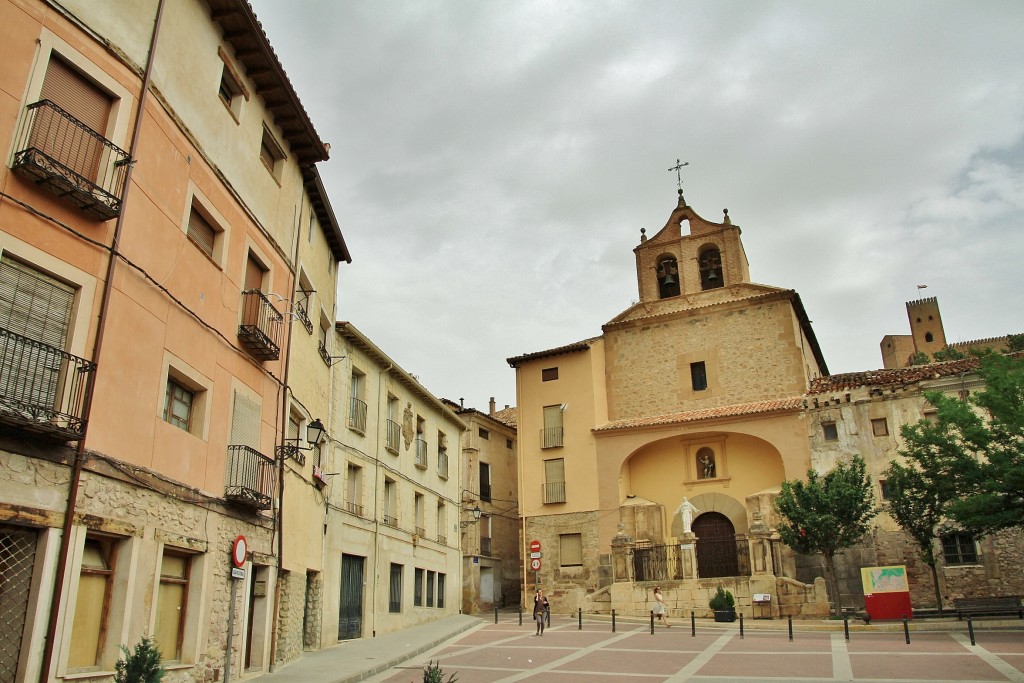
(534, 556)
(237, 573)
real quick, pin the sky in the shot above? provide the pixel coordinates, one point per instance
(492, 163)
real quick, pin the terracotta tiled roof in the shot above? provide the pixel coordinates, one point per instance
(568, 348)
(914, 373)
(737, 409)
(509, 416)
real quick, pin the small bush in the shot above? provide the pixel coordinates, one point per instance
(432, 674)
(141, 665)
(722, 600)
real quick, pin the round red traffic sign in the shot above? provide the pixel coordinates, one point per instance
(239, 549)
(534, 546)
(535, 564)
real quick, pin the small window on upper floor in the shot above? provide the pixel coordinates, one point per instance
(484, 434)
(184, 404)
(548, 374)
(829, 430)
(928, 337)
(271, 154)
(883, 486)
(880, 426)
(178, 405)
(232, 92)
(932, 416)
(202, 232)
(698, 376)
(710, 261)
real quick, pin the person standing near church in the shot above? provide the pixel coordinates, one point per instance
(540, 610)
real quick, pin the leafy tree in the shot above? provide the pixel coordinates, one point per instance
(920, 358)
(919, 504)
(948, 353)
(827, 514)
(1014, 342)
(977, 446)
(141, 665)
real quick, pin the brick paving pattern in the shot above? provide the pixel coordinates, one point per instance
(508, 653)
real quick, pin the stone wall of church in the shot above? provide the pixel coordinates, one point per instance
(749, 354)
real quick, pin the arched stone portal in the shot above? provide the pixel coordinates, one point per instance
(716, 546)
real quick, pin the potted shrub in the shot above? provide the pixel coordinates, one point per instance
(723, 604)
(141, 665)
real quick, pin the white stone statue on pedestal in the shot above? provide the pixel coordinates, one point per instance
(687, 510)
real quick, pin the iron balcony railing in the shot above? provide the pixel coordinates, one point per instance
(553, 491)
(354, 508)
(421, 531)
(300, 315)
(421, 453)
(442, 539)
(357, 415)
(393, 437)
(442, 464)
(485, 546)
(551, 437)
(250, 479)
(391, 520)
(64, 156)
(43, 388)
(325, 355)
(260, 329)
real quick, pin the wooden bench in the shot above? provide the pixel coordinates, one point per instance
(991, 606)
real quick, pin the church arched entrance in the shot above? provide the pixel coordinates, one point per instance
(716, 546)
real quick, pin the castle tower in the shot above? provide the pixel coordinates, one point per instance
(926, 335)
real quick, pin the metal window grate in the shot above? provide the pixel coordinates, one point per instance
(17, 557)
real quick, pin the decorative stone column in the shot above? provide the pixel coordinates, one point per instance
(688, 554)
(622, 568)
(759, 544)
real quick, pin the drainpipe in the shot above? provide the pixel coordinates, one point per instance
(76, 472)
(376, 501)
(284, 439)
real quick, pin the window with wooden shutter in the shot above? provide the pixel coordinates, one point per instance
(201, 232)
(570, 550)
(245, 422)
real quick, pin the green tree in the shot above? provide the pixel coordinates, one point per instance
(977, 445)
(919, 505)
(920, 358)
(827, 514)
(948, 353)
(1014, 342)
(141, 665)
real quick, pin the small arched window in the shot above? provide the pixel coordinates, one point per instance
(710, 262)
(928, 337)
(668, 277)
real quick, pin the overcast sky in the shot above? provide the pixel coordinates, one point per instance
(492, 163)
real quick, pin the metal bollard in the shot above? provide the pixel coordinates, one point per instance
(846, 626)
(579, 612)
(520, 615)
(613, 621)
(970, 630)
(693, 623)
(495, 615)
(547, 616)
(741, 625)
(652, 622)
(906, 629)
(790, 618)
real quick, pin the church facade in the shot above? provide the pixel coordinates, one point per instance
(652, 452)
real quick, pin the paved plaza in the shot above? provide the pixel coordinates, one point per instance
(506, 652)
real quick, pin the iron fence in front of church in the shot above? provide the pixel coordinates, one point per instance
(715, 557)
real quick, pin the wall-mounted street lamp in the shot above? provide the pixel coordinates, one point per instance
(476, 517)
(314, 434)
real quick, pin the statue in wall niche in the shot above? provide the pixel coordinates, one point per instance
(687, 510)
(705, 464)
(407, 431)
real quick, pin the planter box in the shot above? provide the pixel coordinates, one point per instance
(725, 614)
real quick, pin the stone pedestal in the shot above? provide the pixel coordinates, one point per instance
(622, 568)
(688, 554)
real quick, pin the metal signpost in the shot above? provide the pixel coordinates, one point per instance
(239, 551)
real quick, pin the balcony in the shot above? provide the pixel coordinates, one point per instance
(391, 520)
(260, 329)
(421, 454)
(354, 508)
(394, 436)
(250, 479)
(63, 156)
(551, 437)
(421, 531)
(357, 415)
(554, 492)
(43, 389)
(442, 539)
(302, 317)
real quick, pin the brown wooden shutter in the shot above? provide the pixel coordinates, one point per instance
(253, 274)
(201, 232)
(77, 96)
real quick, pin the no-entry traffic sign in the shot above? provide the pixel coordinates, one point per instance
(535, 546)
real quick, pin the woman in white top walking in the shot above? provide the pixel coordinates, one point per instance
(659, 607)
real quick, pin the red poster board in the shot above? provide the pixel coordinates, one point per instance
(886, 592)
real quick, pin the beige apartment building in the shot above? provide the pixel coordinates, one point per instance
(652, 452)
(391, 499)
(168, 261)
(492, 555)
